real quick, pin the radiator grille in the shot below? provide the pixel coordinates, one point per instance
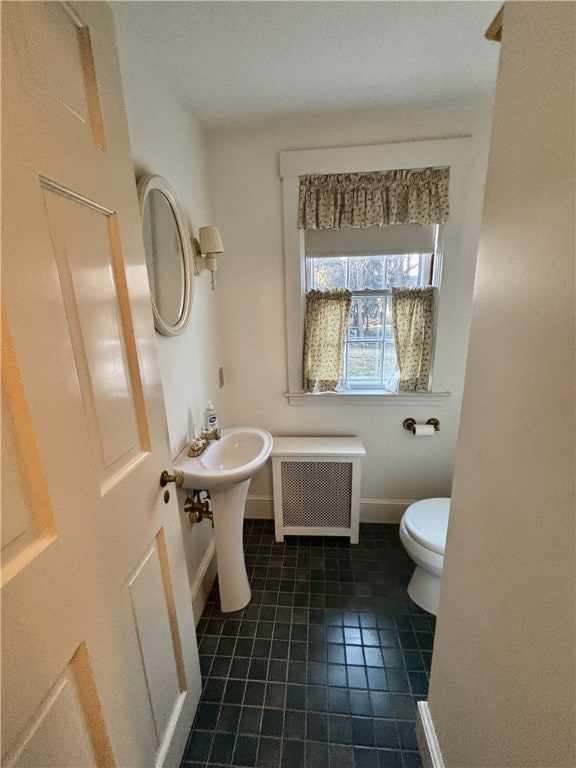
(316, 493)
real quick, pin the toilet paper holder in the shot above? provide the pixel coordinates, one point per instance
(410, 424)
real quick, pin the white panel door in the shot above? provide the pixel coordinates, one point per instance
(99, 658)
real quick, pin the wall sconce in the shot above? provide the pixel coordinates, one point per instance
(206, 249)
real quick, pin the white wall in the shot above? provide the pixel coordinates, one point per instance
(167, 141)
(246, 191)
(502, 690)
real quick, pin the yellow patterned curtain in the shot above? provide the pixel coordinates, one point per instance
(325, 330)
(337, 200)
(413, 322)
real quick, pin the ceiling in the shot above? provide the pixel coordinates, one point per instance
(239, 62)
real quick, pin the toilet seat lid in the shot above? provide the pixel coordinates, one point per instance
(427, 522)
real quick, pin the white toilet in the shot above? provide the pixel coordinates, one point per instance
(423, 531)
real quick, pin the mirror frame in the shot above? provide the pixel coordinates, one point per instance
(145, 185)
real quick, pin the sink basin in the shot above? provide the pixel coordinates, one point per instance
(225, 469)
(236, 457)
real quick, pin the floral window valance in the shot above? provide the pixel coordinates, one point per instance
(334, 201)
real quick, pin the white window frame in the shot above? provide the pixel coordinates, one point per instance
(452, 153)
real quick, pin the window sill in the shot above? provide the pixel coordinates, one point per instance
(367, 398)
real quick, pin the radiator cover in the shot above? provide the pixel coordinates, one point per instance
(317, 486)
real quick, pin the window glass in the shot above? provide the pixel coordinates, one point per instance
(370, 273)
(370, 354)
(367, 273)
(329, 273)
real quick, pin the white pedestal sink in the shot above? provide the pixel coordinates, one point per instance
(225, 468)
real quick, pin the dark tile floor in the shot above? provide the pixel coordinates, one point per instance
(324, 667)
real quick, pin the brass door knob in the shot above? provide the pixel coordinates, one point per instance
(166, 478)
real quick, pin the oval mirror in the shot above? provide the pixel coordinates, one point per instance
(168, 254)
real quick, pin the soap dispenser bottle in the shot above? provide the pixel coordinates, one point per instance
(211, 418)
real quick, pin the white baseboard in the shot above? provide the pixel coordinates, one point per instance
(383, 510)
(371, 510)
(202, 583)
(259, 508)
(427, 739)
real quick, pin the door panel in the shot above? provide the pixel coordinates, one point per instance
(57, 33)
(99, 658)
(89, 255)
(27, 517)
(68, 730)
(155, 637)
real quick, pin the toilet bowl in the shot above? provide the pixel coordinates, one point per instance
(423, 531)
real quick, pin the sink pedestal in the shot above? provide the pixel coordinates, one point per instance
(225, 468)
(228, 517)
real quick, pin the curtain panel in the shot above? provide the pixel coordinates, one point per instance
(325, 328)
(334, 201)
(413, 323)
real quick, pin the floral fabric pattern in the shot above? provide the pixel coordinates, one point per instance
(334, 201)
(413, 322)
(325, 328)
